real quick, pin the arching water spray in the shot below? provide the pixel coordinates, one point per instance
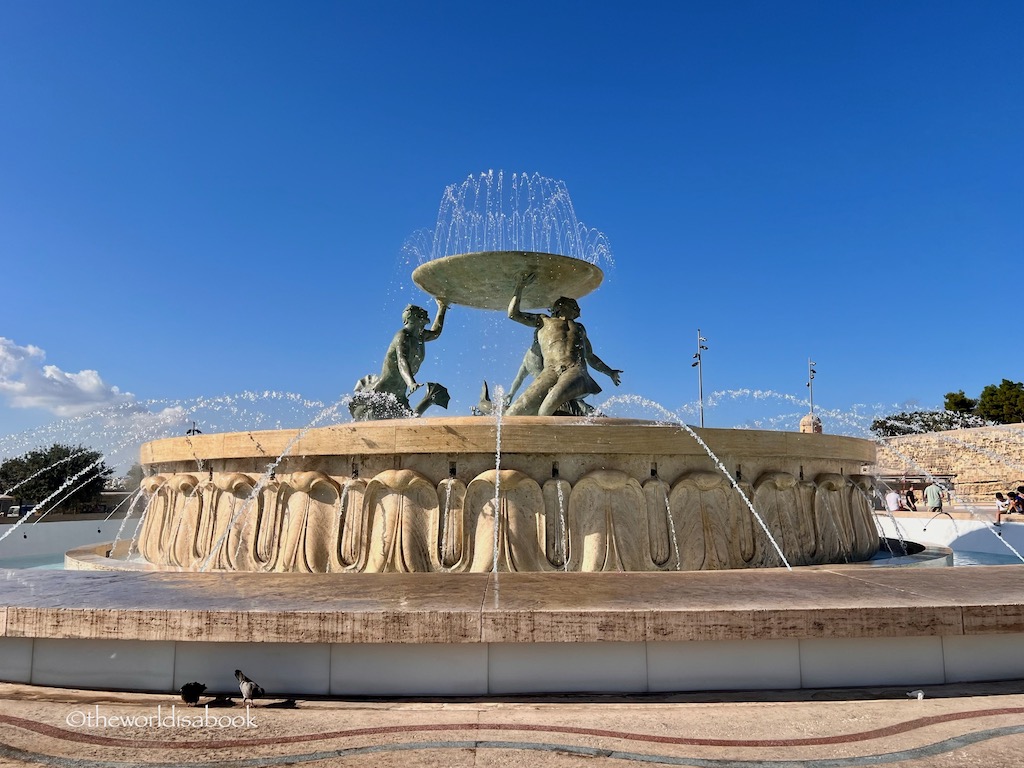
(672, 531)
(735, 485)
(138, 527)
(889, 513)
(983, 451)
(68, 482)
(10, 491)
(563, 527)
(134, 499)
(718, 463)
(499, 407)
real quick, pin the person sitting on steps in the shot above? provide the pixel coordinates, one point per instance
(1015, 504)
(1001, 506)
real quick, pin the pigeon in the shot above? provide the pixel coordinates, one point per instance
(190, 692)
(249, 689)
(918, 694)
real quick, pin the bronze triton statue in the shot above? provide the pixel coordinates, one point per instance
(565, 352)
(387, 396)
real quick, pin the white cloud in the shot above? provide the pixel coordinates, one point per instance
(26, 382)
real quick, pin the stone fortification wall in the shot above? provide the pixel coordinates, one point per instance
(984, 460)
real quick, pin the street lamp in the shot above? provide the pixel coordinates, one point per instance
(810, 381)
(700, 374)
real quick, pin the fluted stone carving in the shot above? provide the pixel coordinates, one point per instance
(310, 523)
(403, 511)
(426, 495)
(402, 521)
(153, 530)
(608, 524)
(350, 550)
(519, 540)
(697, 511)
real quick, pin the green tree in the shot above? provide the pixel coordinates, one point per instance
(919, 422)
(958, 402)
(133, 478)
(1003, 404)
(73, 476)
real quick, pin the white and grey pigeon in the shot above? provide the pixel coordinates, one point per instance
(249, 689)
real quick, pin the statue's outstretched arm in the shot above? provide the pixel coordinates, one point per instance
(526, 318)
(435, 330)
(597, 363)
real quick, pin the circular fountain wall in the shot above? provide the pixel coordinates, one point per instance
(418, 495)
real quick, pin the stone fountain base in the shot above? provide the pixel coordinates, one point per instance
(486, 634)
(402, 512)
(419, 495)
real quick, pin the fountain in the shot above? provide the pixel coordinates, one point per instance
(377, 496)
(507, 552)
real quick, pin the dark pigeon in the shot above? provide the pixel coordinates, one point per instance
(190, 693)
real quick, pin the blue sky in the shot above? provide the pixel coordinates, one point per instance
(203, 199)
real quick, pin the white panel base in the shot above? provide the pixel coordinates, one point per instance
(850, 662)
(108, 664)
(16, 659)
(983, 657)
(723, 665)
(477, 669)
(567, 667)
(401, 669)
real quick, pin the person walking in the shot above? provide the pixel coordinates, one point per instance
(911, 499)
(933, 498)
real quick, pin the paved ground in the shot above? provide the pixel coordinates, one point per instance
(967, 725)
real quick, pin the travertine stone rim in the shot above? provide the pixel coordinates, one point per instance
(519, 434)
(470, 608)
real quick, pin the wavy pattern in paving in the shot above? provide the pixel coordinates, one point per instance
(554, 739)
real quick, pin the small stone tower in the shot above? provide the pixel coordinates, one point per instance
(810, 424)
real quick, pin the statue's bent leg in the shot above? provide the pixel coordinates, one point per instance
(568, 387)
(529, 403)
